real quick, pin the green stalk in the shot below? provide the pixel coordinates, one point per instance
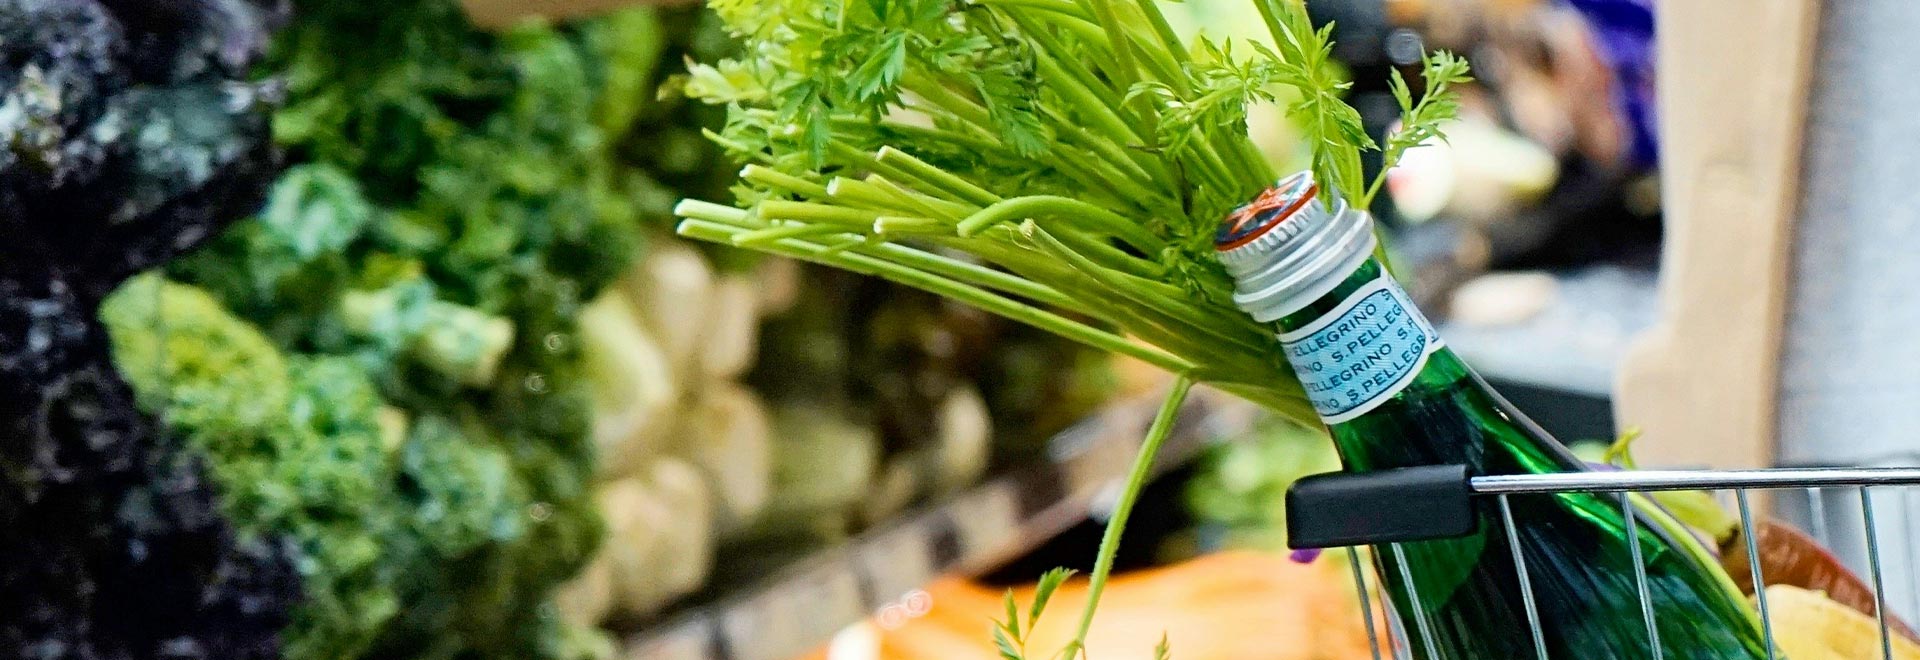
(1151, 306)
(1099, 251)
(1067, 9)
(964, 293)
(940, 178)
(1067, 16)
(1125, 73)
(927, 205)
(1083, 83)
(1295, 408)
(1102, 188)
(944, 99)
(1212, 166)
(757, 237)
(893, 225)
(1271, 16)
(861, 160)
(735, 147)
(773, 178)
(779, 209)
(980, 276)
(1152, 171)
(911, 134)
(1156, 61)
(711, 212)
(1141, 167)
(1260, 172)
(1136, 481)
(1169, 40)
(997, 248)
(1093, 218)
(854, 192)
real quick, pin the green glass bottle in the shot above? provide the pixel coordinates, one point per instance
(1393, 395)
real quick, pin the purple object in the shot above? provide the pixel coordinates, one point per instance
(1624, 30)
(1304, 555)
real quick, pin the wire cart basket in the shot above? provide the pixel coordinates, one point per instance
(1383, 510)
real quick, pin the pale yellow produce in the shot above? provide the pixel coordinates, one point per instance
(588, 597)
(778, 284)
(823, 466)
(732, 328)
(1809, 626)
(659, 543)
(672, 288)
(634, 543)
(634, 393)
(963, 435)
(686, 537)
(725, 434)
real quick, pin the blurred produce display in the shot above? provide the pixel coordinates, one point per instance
(1238, 492)
(885, 397)
(685, 450)
(807, 405)
(128, 133)
(440, 375)
(1551, 164)
(384, 367)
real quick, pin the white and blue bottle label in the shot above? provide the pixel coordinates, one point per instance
(1361, 353)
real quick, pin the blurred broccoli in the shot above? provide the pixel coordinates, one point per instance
(296, 444)
(430, 534)
(454, 340)
(454, 201)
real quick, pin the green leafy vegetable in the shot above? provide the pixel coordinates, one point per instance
(1420, 122)
(409, 296)
(295, 442)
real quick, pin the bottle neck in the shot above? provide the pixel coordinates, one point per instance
(1361, 344)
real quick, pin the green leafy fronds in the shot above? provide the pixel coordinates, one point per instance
(1009, 649)
(1222, 87)
(1049, 581)
(1008, 634)
(1331, 127)
(1422, 121)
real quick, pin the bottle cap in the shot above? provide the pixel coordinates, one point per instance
(1288, 247)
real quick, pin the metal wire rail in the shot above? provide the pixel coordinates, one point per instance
(1397, 506)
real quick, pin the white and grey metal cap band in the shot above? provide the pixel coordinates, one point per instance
(1297, 253)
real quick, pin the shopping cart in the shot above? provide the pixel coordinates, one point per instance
(1432, 502)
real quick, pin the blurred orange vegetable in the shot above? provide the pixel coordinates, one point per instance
(1231, 605)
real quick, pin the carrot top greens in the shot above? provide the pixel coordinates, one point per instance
(1064, 163)
(1061, 162)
